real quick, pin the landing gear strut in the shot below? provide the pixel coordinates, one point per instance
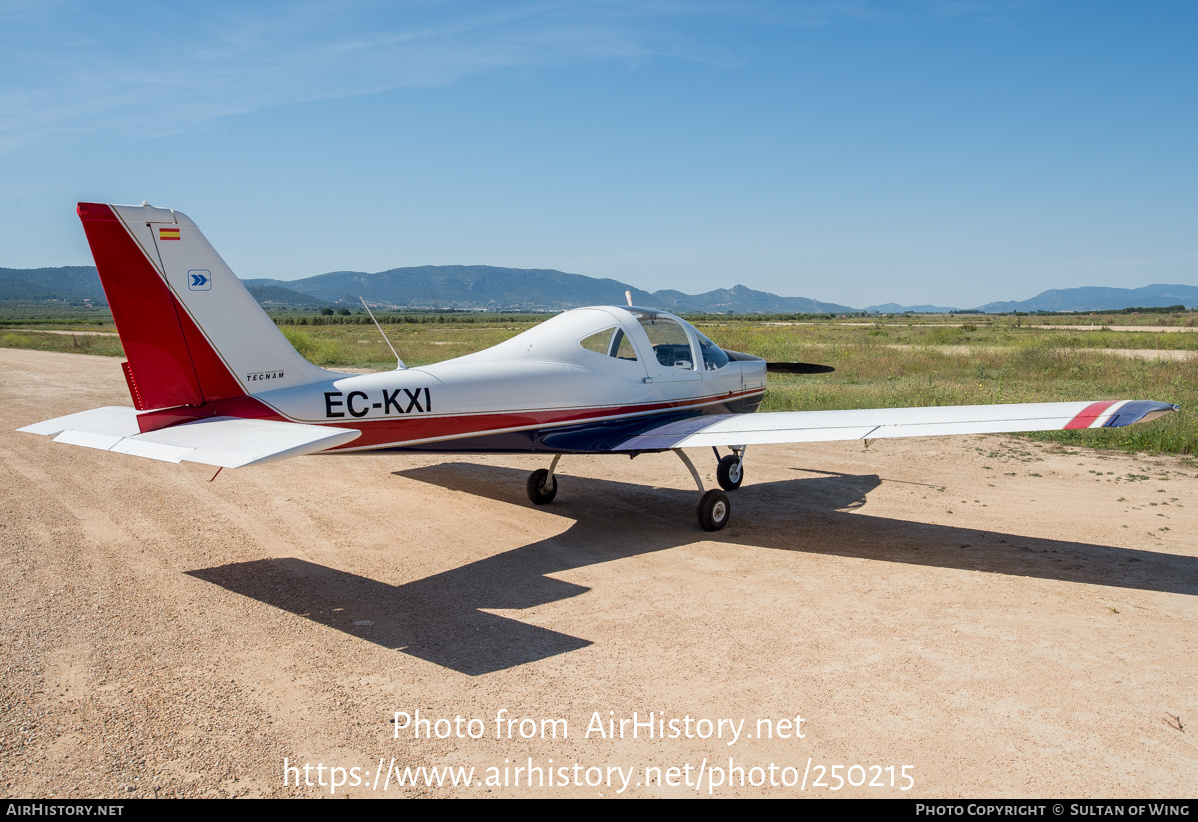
(714, 508)
(542, 485)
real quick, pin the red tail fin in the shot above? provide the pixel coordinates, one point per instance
(145, 312)
(192, 333)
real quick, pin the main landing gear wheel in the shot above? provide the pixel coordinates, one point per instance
(540, 491)
(730, 473)
(714, 510)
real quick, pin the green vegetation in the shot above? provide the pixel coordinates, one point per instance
(897, 361)
(1171, 309)
(54, 314)
(360, 346)
(104, 344)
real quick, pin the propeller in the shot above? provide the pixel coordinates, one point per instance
(797, 368)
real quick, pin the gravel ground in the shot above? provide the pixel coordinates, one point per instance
(1004, 619)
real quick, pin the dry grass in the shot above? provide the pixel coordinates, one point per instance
(82, 343)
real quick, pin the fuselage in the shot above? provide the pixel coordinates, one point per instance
(580, 382)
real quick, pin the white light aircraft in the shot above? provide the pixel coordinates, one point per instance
(214, 381)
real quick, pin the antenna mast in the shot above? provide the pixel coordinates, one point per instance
(399, 366)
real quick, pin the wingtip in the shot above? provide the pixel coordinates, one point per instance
(1138, 411)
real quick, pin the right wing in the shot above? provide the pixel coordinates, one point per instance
(881, 423)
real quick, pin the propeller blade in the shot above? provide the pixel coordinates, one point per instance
(797, 368)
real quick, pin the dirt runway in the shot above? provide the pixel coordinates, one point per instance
(975, 616)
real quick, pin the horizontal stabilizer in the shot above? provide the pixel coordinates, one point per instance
(225, 441)
(881, 423)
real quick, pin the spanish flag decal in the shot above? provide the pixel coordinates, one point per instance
(168, 233)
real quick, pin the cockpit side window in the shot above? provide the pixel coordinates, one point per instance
(610, 342)
(669, 341)
(620, 347)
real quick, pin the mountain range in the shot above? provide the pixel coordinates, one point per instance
(537, 289)
(482, 287)
(1099, 298)
(73, 283)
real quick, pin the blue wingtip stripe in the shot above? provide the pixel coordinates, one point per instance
(1137, 410)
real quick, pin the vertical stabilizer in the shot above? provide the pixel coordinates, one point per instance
(192, 332)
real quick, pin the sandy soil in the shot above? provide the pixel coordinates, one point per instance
(1005, 619)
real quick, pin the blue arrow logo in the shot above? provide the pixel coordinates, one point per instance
(199, 280)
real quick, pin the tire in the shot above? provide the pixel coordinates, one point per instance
(540, 492)
(714, 510)
(730, 473)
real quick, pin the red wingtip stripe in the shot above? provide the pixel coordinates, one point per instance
(1088, 414)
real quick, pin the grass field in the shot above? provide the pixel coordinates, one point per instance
(898, 361)
(106, 344)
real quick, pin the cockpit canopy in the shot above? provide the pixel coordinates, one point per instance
(630, 341)
(670, 339)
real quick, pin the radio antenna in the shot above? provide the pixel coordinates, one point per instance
(399, 366)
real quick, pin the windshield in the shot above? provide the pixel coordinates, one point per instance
(714, 357)
(669, 341)
(671, 345)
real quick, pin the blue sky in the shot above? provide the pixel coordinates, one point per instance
(954, 152)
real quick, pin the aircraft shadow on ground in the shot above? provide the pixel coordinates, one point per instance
(440, 618)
